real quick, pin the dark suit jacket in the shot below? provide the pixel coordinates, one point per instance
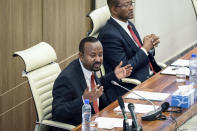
(117, 46)
(68, 90)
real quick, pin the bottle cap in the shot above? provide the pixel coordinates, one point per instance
(86, 101)
(193, 55)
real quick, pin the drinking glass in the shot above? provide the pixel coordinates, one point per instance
(181, 74)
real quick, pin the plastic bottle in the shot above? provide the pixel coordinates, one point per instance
(193, 69)
(86, 115)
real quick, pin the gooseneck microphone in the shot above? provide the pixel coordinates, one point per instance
(135, 124)
(126, 126)
(152, 115)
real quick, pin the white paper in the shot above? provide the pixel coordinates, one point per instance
(110, 123)
(156, 96)
(171, 70)
(139, 108)
(181, 62)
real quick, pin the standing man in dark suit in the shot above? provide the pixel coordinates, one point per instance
(78, 82)
(121, 42)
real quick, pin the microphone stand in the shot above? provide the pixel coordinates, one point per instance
(126, 126)
(148, 116)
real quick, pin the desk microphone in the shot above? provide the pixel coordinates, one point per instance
(126, 126)
(150, 116)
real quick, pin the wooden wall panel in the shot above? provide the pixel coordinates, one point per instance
(15, 97)
(65, 24)
(20, 28)
(22, 118)
(24, 23)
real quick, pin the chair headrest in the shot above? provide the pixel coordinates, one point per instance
(99, 17)
(37, 56)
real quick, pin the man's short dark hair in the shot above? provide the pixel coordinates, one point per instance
(111, 3)
(85, 40)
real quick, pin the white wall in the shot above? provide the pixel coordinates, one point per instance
(173, 20)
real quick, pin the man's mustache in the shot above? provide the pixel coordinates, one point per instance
(97, 63)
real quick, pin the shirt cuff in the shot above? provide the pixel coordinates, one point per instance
(144, 51)
(82, 99)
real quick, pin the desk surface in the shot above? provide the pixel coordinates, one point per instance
(157, 83)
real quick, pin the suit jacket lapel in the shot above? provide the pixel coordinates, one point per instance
(81, 76)
(124, 33)
(97, 79)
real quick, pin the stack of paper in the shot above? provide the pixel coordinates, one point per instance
(181, 62)
(156, 96)
(172, 69)
(110, 123)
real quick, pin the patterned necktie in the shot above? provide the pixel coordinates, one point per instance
(93, 85)
(138, 43)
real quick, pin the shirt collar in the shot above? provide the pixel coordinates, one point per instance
(123, 24)
(86, 72)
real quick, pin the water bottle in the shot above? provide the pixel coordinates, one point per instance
(193, 69)
(86, 116)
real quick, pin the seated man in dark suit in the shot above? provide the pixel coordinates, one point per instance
(78, 81)
(121, 42)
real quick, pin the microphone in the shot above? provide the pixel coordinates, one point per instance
(126, 126)
(135, 123)
(150, 116)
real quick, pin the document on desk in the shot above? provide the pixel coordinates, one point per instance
(110, 123)
(171, 70)
(139, 108)
(181, 62)
(155, 96)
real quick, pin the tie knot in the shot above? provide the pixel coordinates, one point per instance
(129, 27)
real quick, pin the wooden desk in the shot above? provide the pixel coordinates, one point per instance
(157, 83)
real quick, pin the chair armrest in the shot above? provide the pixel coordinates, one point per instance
(57, 124)
(162, 65)
(132, 81)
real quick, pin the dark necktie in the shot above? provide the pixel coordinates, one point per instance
(93, 85)
(138, 43)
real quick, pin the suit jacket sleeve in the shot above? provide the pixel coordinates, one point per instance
(106, 80)
(67, 103)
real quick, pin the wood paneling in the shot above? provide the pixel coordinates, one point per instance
(65, 24)
(15, 97)
(24, 23)
(20, 27)
(21, 118)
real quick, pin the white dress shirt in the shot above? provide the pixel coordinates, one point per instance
(87, 75)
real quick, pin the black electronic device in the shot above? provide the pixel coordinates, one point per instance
(166, 106)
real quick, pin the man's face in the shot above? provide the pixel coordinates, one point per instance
(124, 10)
(92, 58)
